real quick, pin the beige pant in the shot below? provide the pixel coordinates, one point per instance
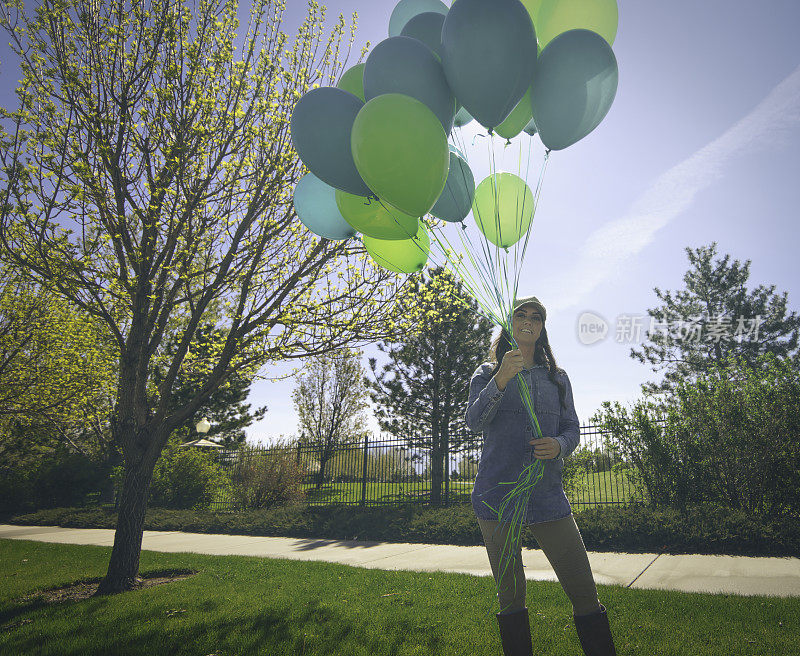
(563, 546)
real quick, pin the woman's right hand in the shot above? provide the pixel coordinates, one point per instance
(510, 366)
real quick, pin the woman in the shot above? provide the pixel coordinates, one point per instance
(495, 407)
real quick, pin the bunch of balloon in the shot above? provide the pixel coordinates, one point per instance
(387, 148)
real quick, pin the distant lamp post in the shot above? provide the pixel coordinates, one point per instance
(203, 425)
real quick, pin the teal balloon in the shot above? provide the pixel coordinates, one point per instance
(530, 128)
(316, 207)
(455, 149)
(462, 118)
(456, 200)
(407, 9)
(321, 126)
(404, 65)
(427, 28)
(489, 56)
(576, 82)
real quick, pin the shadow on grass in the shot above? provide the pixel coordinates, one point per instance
(79, 591)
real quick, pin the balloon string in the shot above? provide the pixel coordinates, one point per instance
(521, 494)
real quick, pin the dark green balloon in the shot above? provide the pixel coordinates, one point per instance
(401, 64)
(462, 118)
(405, 10)
(426, 27)
(489, 56)
(456, 200)
(576, 81)
(321, 127)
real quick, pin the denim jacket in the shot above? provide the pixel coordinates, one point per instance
(507, 432)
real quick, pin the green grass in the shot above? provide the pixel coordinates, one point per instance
(597, 488)
(603, 487)
(243, 605)
(351, 492)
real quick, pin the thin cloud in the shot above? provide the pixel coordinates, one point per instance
(605, 250)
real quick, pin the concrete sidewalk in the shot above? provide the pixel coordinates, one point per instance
(738, 575)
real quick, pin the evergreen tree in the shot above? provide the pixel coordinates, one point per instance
(225, 409)
(715, 316)
(421, 395)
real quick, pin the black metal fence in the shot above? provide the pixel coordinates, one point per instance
(385, 471)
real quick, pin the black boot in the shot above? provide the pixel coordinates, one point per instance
(515, 632)
(595, 633)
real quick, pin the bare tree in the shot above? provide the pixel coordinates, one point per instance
(330, 399)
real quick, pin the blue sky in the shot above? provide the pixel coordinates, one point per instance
(700, 145)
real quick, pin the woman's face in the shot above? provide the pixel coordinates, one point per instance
(527, 324)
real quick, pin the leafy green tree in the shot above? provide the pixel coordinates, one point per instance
(713, 317)
(424, 400)
(58, 370)
(148, 176)
(330, 399)
(53, 358)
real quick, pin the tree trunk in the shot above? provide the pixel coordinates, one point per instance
(112, 459)
(436, 467)
(323, 463)
(123, 569)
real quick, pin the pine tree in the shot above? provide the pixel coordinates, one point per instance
(715, 315)
(424, 400)
(225, 409)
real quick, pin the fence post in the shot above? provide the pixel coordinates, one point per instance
(364, 473)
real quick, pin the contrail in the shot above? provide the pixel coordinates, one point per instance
(673, 192)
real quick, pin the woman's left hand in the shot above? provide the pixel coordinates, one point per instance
(546, 448)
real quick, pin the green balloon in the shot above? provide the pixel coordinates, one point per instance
(373, 218)
(400, 256)
(400, 150)
(352, 80)
(557, 16)
(519, 117)
(534, 7)
(503, 208)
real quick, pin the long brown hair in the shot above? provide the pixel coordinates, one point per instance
(542, 354)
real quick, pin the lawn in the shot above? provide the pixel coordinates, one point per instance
(238, 605)
(597, 488)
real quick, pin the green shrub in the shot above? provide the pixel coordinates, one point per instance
(702, 528)
(730, 438)
(263, 478)
(56, 478)
(183, 478)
